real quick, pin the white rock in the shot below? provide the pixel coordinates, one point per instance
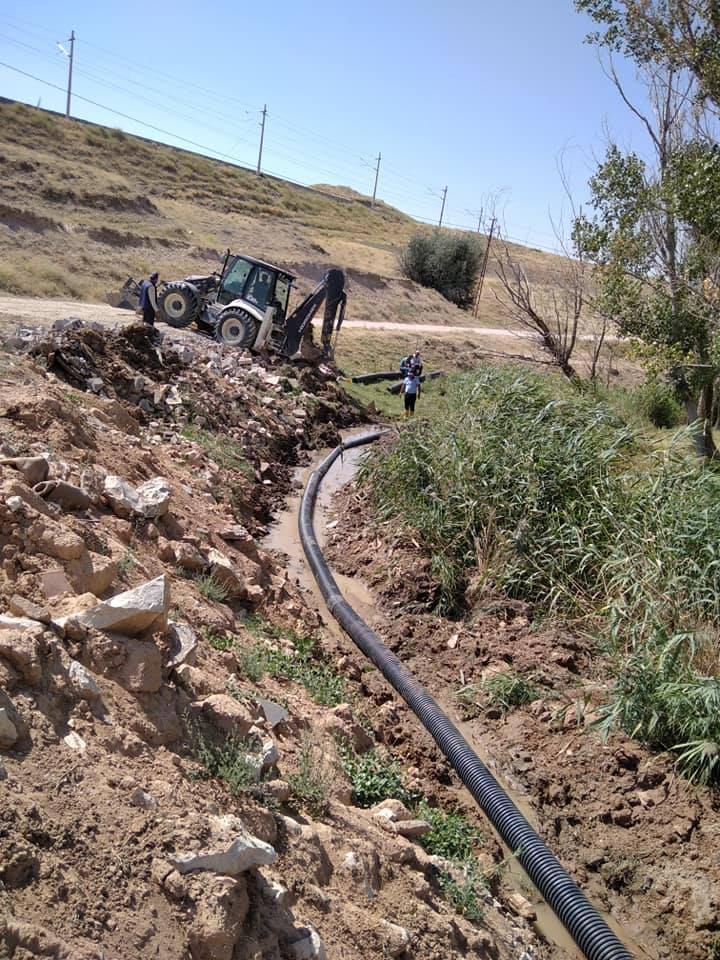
(82, 682)
(309, 947)
(8, 730)
(151, 499)
(154, 497)
(74, 741)
(350, 862)
(128, 613)
(391, 809)
(243, 853)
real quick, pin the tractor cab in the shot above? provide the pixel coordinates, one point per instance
(256, 283)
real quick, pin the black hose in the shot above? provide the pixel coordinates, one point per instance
(397, 387)
(587, 928)
(375, 377)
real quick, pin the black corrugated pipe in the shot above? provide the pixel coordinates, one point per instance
(587, 928)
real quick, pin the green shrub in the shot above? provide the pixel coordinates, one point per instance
(232, 761)
(464, 893)
(211, 588)
(374, 776)
(219, 641)
(451, 834)
(447, 262)
(303, 665)
(310, 786)
(507, 690)
(659, 403)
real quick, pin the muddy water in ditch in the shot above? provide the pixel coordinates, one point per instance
(284, 538)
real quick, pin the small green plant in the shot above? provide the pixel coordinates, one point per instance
(464, 893)
(219, 641)
(310, 786)
(658, 402)
(223, 449)
(713, 951)
(504, 691)
(320, 679)
(253, 661)
(451, 834)
(125, 564)
(232, 761)
(374, 776)
(211, 588)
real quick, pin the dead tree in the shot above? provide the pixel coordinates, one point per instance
(551, 312)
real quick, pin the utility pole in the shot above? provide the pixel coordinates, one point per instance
(480, 216)
(377, 173)
(442, 209)
(262, 137)
(70, 66)
(483, 268)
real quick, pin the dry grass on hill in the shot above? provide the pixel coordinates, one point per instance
(85, 206)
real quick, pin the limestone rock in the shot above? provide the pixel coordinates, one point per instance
(279, 790)
(222, 569)
(82, 682)
(228, 715)
(92, 573)
(391, 809)
(130, 613)
(8, 730)
(183, 642)
(188, 557)
(410, 829)
(13, 490)
(242, 853)
(151, 499)
(21, 607)
(520, 906)
(55, 540)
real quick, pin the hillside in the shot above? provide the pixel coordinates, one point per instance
(85, 206)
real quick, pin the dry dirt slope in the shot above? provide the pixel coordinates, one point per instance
(83, 206)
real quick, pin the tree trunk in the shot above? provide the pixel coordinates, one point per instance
(700, 414)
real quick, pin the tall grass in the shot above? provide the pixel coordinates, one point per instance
(528, 487)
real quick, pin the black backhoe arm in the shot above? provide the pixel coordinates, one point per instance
(331, 289)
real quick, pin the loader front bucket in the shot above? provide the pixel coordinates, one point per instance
(127, 297)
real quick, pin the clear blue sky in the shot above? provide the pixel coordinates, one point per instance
(481, 96)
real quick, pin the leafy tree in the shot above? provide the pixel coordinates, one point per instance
(684, 34)
(654, 233)
(447, 262)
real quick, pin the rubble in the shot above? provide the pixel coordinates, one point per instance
(130, 613)
(8, 730)
(149, 500)
(242, 853)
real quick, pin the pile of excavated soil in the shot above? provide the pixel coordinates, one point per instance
(131, 589)
(641, 842)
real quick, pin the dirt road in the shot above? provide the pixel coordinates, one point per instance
(43, 312)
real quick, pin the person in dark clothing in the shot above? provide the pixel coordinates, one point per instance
(410, 391)
(405, 365)
(148, 299)
(416, 364)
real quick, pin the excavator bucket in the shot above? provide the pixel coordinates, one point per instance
(127, 297)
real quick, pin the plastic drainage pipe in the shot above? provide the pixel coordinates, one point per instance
(582, 921)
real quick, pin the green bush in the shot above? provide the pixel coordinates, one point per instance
(451, 834)
(525, 486)
(447, 262)
(311, 784)
(659, 403)
(374, 776)
(211, 588)
(503, 691)
(232, 761)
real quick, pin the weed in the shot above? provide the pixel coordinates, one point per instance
(507, 690)
(211, 588)
(451, 835)
(224, 450)
(374, 776)
(464, 893)
(233, 761)
(219, 641)
(125, 564)
(311, 784)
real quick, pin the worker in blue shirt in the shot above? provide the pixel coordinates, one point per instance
(411, 391)
(147, 304)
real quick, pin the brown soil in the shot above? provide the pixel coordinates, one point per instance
(100, 791)
(641, 842)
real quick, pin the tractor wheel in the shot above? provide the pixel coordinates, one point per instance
(237, 328)
(179, 304)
